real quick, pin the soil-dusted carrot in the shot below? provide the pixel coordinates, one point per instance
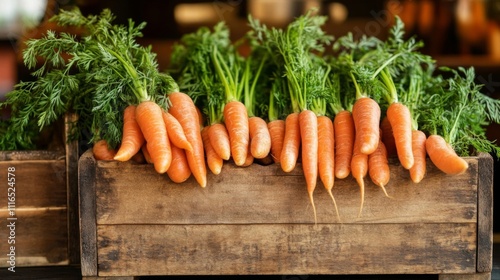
(101, 151)
(388, 137)
(132, 138)
(179, 170)
(308, 123)
(214, 161)
(444, 156)
(277, 132)
(184, 110)
(219, 140)
(359, 169)
(326, 156)
(418, 170)
(344, 143)
(176, 133)
(291, 143)
(378, 167)
(366, 117)
(149, 117)
(260, 138)
(236, 120)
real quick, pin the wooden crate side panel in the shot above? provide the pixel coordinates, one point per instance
(40, 237)
(38, 183)
(287, 249)
(31, 155)
(485, 214)
(129, 193)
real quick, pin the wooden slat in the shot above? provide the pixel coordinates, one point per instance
(39, 183)
(129, 193)
(485, 214)
(72, 155)
(286, 249)
(40, 237)
(88, 231)
(31, 155)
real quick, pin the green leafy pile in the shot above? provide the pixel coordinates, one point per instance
(95, 75)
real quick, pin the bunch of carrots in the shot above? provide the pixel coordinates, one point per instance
(284, 100)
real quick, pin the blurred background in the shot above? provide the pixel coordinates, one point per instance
(455, 32)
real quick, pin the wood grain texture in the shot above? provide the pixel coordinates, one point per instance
(31, 155)
(485, 214)
(129, 193)
(88, 231)
(286, 249)
(40, 237)
(475, 276)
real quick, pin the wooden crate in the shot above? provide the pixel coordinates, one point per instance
(258, 221)
(45, 213)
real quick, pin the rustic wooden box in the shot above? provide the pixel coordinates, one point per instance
(258, 221)
(45, 212)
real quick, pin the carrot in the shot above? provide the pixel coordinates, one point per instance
(176, 133)
(443, 156)
(139, 157)
(277, 132)
(326, 155)
(260, 139)
(146, 154)
(344, 143)
(219, 139)
(417, 171)
(378, 167)
(249, 160)
(102, 151)
(308, 123)
(366, 116)
(400, 118)
(150, 120)
(291, 143)
(132, 137)
(388, 137)
(214, 161)
(359, 169)
(236, 120)
(179, 170)
(184, 110)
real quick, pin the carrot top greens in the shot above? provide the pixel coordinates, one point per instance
(95, 76)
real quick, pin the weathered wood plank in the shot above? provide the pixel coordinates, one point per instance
(39, 183)
(475, 276)
(88, 231)
(31, 155)
(72, 155)
(40, 237)
(485, 214)
(129, 193)
(286, 249)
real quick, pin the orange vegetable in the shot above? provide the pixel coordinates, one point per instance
(219, 139)
(260, 139)
(366, 116)
(176, 133)
(443, 156)
(132, 138)
(400, 118)
(236, 120)
(214, 161)
(277, 132)
(102, 151)
(179, 170)
(344, 143)
(308, 123)
(378, 167)
(417, 171)
(291, 143)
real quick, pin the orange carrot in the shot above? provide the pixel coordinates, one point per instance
(146, 154)
(236, 120)
(291, 143)
(443, 156)
(417, 171)
(400, 118)
(102, 151)
(260, 139)
(308, 123)
(359, 169)
(150, 120)
(219, 139)
(179, 170)
(132, 138)
(214, 161)
(277, 132)
(184, 110)
(176, 133)
(388, 137)
(249, 160)
(344, 143)
(366, 116)
(326, 155)
(378, 167)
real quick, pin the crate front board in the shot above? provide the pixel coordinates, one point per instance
(258, 220)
